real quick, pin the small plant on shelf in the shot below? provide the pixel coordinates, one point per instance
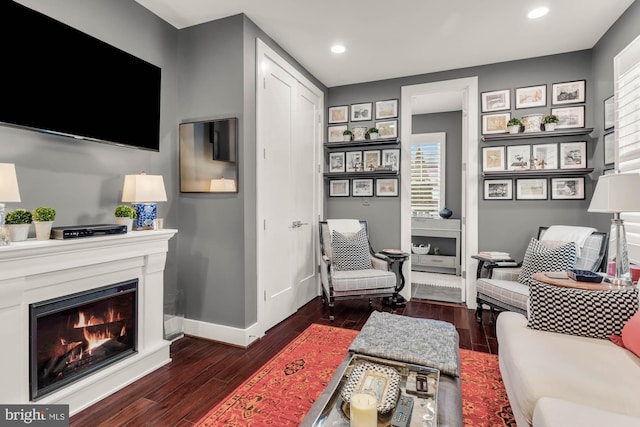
(373, 133)
(18, 216)
(550, 122)
(44, 214)
(125, 211)
(514, 125)
(346, 134)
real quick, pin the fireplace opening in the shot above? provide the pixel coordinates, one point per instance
(76, 335)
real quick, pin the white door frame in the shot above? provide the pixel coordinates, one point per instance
(468, 88)
(263, 188)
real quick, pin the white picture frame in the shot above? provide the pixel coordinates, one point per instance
(609, 142)
(386, 109)
(334, 133)
(495, 123)
(391, 157)
(573, 92)
(339, 188)
(498, 189)
(569, 117)
(609, 110)
(545, 155)
(338, 114)
(371, 160)
(353, 161)
(493, 159)
(518, 157)
(362, 187)
(387, 187)
(337, 162)
(496, 100)
(531, 189)
(387, 129)
(361, 112)
(567, 188)
(531, 96)
(573, 155)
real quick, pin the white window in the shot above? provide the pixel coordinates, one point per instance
(427, 173)
(627, 131)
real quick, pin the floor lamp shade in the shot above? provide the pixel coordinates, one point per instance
(615, 193)
(143, 191)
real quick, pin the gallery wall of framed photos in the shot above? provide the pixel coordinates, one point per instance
(357, 164)
(530, 161)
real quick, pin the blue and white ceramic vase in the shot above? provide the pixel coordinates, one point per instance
(147, 212)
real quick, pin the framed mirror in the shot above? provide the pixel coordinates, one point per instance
(209, 156)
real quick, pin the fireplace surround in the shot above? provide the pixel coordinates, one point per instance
(35, 272)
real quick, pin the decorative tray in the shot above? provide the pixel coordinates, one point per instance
(584, 276)
(382, 381)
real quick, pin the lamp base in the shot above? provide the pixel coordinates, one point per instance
(147, 212)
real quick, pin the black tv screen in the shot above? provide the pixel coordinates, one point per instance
(57, 79)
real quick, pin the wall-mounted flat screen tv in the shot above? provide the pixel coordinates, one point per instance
(57, 79)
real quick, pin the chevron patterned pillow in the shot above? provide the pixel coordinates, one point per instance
(540, 258)
(350, 253)
(586, 313)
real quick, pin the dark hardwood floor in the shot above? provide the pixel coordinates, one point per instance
(202, 373)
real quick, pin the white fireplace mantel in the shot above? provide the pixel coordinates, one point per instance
(34, 271)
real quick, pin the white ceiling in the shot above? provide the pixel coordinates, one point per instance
(387, 39)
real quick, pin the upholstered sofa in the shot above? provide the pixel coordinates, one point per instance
(557, 379)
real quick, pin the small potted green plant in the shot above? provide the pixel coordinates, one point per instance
(43, 218)
(347, 135)
(550, 122)
(125, 215)
(373, 133)
(514, 125)
(18, 223)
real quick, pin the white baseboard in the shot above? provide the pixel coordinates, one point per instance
(226, 334)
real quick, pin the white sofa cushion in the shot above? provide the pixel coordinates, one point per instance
(589, 371)
(550, 412)
(512, 293)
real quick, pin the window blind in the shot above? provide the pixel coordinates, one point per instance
(627, 132)
(427, 174)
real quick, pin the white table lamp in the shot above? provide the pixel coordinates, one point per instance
(616, 193)
(143, 191)
(9, 192)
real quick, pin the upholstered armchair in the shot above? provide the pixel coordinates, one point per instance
(350, 268)
(507, 289)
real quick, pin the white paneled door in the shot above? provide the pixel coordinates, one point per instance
(288, 187)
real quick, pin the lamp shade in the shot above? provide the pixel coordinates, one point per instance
(616, 193)
(143, 188)
(9, 191)
(222, 185)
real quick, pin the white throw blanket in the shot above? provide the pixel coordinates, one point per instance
(343, 226)
(568, 233)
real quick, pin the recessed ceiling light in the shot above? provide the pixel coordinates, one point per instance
(338, 48)
(538, 12)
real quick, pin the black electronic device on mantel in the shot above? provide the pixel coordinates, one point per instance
(57, 79)
(75, 231)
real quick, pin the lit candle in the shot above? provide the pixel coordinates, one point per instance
(363, 410)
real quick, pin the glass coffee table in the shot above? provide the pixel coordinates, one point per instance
(331, 409)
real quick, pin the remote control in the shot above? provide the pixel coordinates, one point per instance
(402, 414)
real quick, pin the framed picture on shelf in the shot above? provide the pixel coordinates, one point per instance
(531, 96)
(371, 159)
(496, 100)
(493, 159)
(386, 109)
(391, 157)
(567, 188)
(359, 133)
(568, 92)
(339, 188)
(495, 123)
(353, 161)
(609, 148)
(334, 133)
(531, 189)
(609, 119)
(339, 114)
(386, 187)
(573, 155)
(545, 156)
(362, 187)
(569, 117)
(388, 129)
(518, 157)
(361, 112)
(498, 189)
(336, 162)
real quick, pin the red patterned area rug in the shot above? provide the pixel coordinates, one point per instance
(284, 389)
(484, 399)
